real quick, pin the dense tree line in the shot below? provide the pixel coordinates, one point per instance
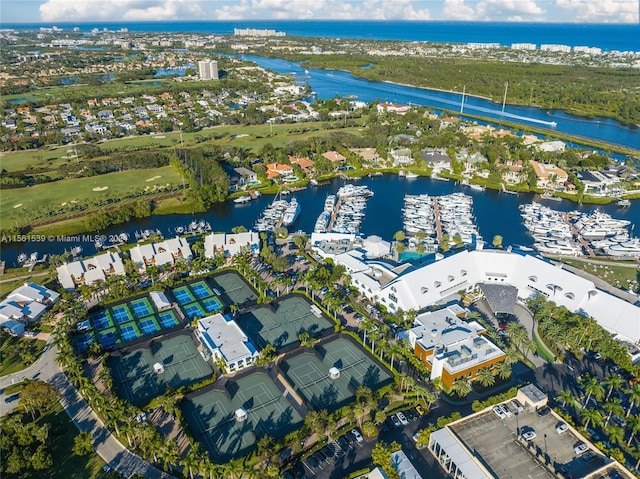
(103, 219)
(208, 182)
(130, 161)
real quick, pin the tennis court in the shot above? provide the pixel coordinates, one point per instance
(211, 304)
(108, 338)
(133, 375)
(201, 290)
(167, 319)
(129, 331)
(101, 320)
(233, 288)
(121, 314)
(281, 322)
(141, 307)
(183, 295)
(84, 340)
(308, 373)
(193, 310)
(149, 325)
(211, 415)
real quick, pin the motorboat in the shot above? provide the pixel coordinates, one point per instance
(291, 213)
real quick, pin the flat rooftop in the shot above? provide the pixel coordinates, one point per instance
(495, 441)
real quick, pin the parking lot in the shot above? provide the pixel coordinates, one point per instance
(508, 455)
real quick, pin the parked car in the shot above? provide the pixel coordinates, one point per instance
(396, 421)
(516, 406)
(561, 427)
(580, 448)
(402, 418)
(543, 411)
(499, 412)
(344, 443)
(529, 435)
(419, 410)
(506, 410)
(357, 435)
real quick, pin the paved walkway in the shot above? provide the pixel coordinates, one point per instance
(107, 446)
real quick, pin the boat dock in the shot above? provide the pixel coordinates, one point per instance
(334, 214)
(436, 213)
(576, 234)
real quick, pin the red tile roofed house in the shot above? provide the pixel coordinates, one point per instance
(92, 102)
(23, 110)
(333, 156)
(548, 175)
(275, 170)
(166, 96)
(303, 162)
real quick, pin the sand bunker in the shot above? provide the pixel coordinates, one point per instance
(18, 205)
(100, 188)
(63, 204)
(153, 178)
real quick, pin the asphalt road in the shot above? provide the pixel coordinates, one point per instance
(107, 446)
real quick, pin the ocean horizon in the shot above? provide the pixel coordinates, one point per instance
(608, 37)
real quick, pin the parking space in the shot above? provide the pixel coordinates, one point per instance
(526, 444)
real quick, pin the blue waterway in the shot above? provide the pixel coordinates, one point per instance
(495, 212)
(621, 37)
(329, 83)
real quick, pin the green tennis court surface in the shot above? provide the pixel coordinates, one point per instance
(308, 373)
(211, 415)
(233, 288)
(280, 322)
(133, 375)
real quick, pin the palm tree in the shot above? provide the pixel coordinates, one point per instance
(511, 355)
(486, 377)
(613, 406)
(633, 424)
(590, 415)
(266, 355)
(461, 387)
(193, 460)
(395, 349)
(593, 388)
(616, 434)
(170, 453)
(633, 395)
(612, 381)
(503, 370)
(567, 397)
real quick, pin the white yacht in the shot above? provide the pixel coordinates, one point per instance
(291, 213)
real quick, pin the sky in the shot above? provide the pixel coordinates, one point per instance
(558, 11)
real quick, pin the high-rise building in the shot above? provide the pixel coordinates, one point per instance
(208, 70)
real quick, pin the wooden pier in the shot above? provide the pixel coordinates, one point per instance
(436, 215)
(574, 231)
(334, 213)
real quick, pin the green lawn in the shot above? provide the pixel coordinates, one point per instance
(66, 465)
(18, 353)
(17, 204)
(624, 275)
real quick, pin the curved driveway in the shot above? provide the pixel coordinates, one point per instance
(106, 445)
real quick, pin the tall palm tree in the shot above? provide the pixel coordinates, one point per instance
(170, 453)
(616, 434)
(566, 397)
(633, 424)
(633, 395)
(486, 377)
(461, 387)
(511, 355)
(593, 388)
(590, 415)
(612, 406)
(612, 381)
(395, 349)
(503, 370)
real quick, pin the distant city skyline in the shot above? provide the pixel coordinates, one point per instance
(542, 11)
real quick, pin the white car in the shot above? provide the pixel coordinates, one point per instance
(499, 412)
(402, 418)
(357, 435)
(580, 449)
(516, 405)
(506, 410)
(529, 435)
(561, 427)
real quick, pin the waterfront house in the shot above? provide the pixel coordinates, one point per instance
(275, 170)
(226, 342)
(90, 271)
(392, 108)
(436, 159)
(231, 244)
(599, 182)
(333, 156)
(368, 155)
(401, 156)
(549, 176)
(164, 253)
(304, 163)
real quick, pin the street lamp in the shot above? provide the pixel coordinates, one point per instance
(517, 424)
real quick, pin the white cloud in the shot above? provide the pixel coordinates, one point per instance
(458, 10)
(602, 11)
(78, 10)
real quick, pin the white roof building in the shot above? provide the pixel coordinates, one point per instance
(231, 244)
(401, 463)
(224, 340)
(163, 253)
(418, 288)
(160, 300)
(90, 271)
(25, 304)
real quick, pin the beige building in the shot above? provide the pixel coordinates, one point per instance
(549, 176)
